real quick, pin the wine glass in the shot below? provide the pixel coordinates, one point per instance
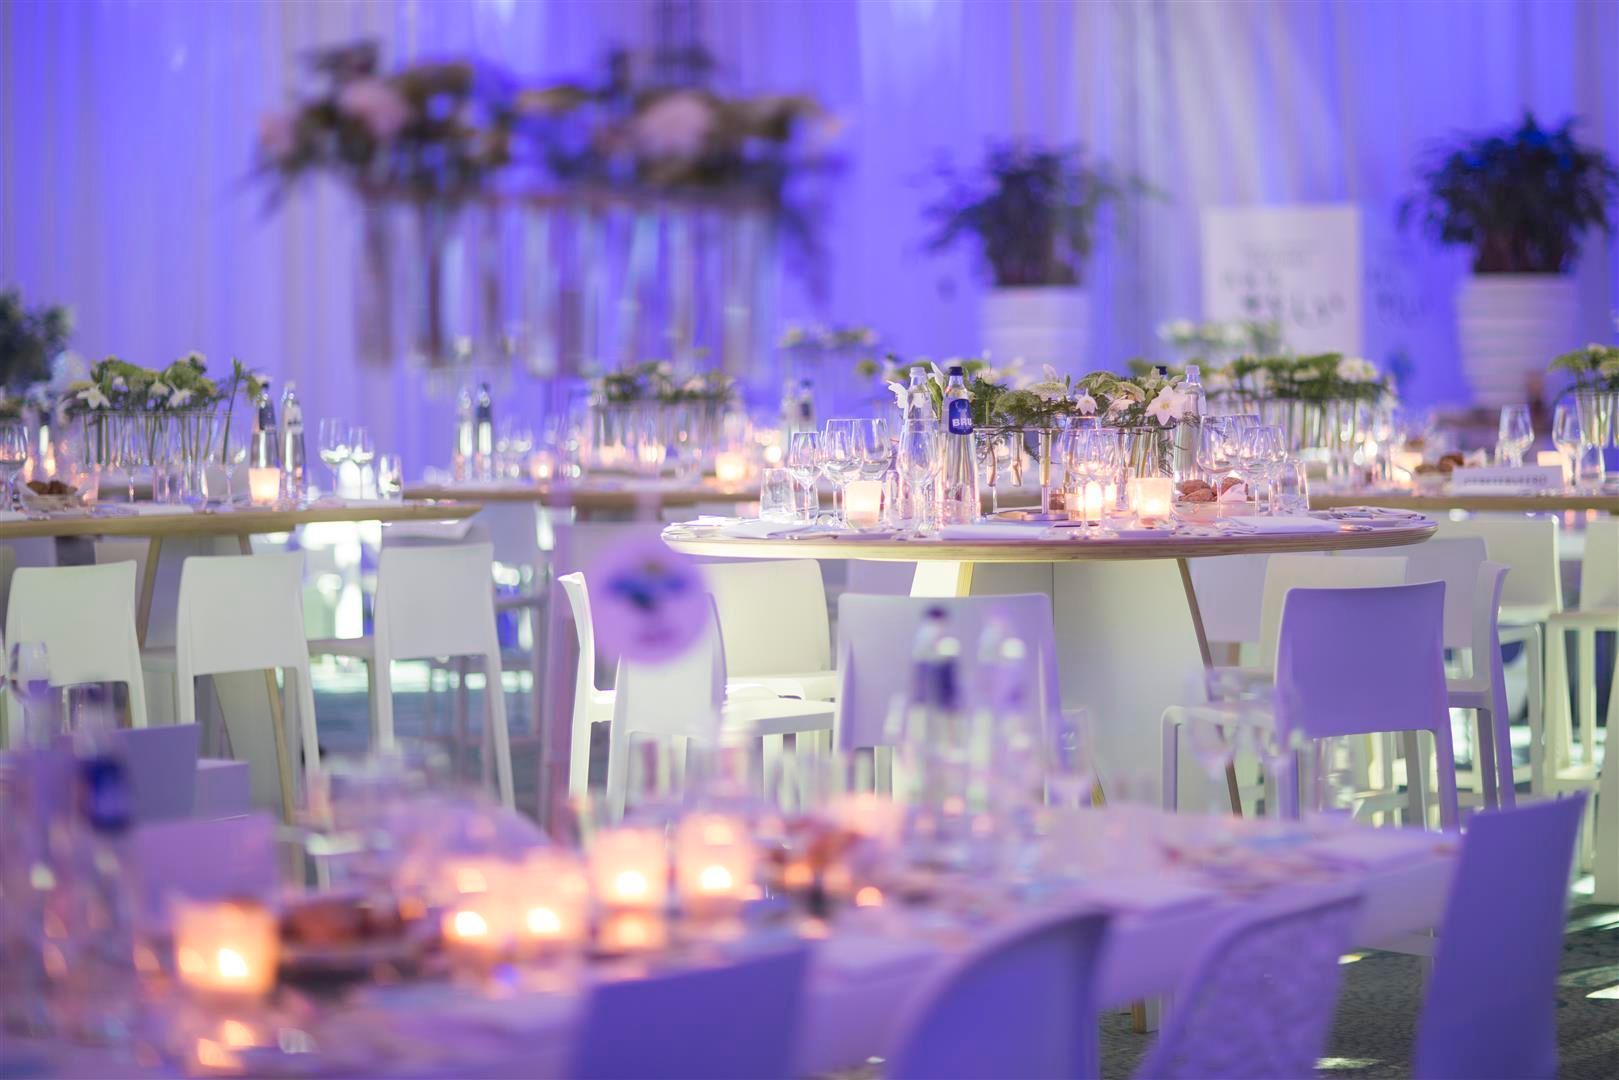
(28, 666)
(1516, 434)
(1272, 450)
(334, 448)
(921, 453)
(803, 460)
(872, 447)
(362, 451)
(1568, 435)
(1215, 749)
(1070, 758)
(1217, 447)
(840, 460)
(13, 456)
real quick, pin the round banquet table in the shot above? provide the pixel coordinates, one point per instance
(1130, 638)
(1426, 501)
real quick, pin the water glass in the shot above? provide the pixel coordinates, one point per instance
(13, 456)
(390, 477)
(777, 501)
(1515, 435)
(921, 455)
(1293, 488)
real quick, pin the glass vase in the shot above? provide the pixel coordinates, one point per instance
(1147, 451)
(1599, 415)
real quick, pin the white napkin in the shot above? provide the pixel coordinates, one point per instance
(997, 530)
(759, 529)
(13, 515)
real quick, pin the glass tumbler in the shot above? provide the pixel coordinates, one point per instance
(776, 496)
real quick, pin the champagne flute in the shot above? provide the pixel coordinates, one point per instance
(803, 460)
(921, 451)
(1568, 435)
(1515, 435)
(362, 451)
(13, 456)
(334, 448)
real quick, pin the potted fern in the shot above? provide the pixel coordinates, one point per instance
(1523, 200)
(1032, 214)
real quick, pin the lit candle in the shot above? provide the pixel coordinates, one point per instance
(1151, 497)
(228, 947)
(1560, 460)
(552, 899)
(730, 468)
(863, 503)
(264, 485)
(872, 816)
(1090, 500)
(714, 861)
(540, 467)
(474, 921)
(632, 931)
(629, 868)
(772, 453)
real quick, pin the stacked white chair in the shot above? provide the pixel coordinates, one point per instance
(245, 613)
(1533, 594)
(85, 616)
(773, 620)
(1598, 612)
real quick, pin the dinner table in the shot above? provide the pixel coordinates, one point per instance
(1129, 633)
(1169, 885)
(593, 498)
(1469, 501)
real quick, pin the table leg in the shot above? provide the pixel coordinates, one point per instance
(1233, 790)
(941, 578)
(143, 609)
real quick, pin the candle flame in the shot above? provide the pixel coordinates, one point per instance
(631, 884)
(470, 924)
(715, 879)
(230, 964)
(869, 896)
(544, 922)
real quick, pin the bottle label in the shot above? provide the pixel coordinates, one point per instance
(104, 794)
(959, 416)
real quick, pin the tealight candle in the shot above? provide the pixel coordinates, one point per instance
(473, 919)
(863, 503)
(228, 947)
(629, 868)
(632, 932)
(552, 899)
(730, 468)
(1152, 497)
(1088, 503)
(264, 485)
(540, 468)
(714, 860)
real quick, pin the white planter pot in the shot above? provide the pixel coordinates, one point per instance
(1042, 325)
(1510, 326)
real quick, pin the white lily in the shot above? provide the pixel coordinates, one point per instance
(119, 384)
(1167, 407)
(902, 394)
(1085, 405)
(158, 391)
(179, 399)
(94, 398)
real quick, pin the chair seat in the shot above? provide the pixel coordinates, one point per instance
(775, 716)
(361, 647)
(809, 686)
(1524, 615)
(1602, 618)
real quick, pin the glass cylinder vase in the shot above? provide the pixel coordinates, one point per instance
(1599, 415)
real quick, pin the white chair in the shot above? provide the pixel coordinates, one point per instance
(1533, 593)
(1598, 611)
(687, 699)
(1020, 1004)
(1230, 592)
(876, 636)
(246, 613)
(773, 622)
(437, 602)
(1282, 574)
(85, 616)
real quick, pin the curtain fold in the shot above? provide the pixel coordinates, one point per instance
(126, 129)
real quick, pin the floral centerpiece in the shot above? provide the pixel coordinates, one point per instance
(1207, 341)
(1595, 370)
(30, 339)
(655, 382)
(644, 411)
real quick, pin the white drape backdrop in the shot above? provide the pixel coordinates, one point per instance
(126, 128)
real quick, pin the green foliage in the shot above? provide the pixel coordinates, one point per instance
(29, 340)
(1595, 367)
(654, 381)
(1520, 199)
(1032, 211)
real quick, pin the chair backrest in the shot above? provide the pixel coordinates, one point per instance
(682, 696)
(1526, 544)
(162, 766)
(1486, 632)
(1455, 561)
(876, 636)
(1599, 566)
(584, 628)
(435, 601)
(1260, 997)
(1021, 1004)
(241, 613)
(1358, 661)
(736, 1021)
(1491, 1007)
(8, 566)
(85, 615)
(1285, 572)
(1230, 595)
(772, 616)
